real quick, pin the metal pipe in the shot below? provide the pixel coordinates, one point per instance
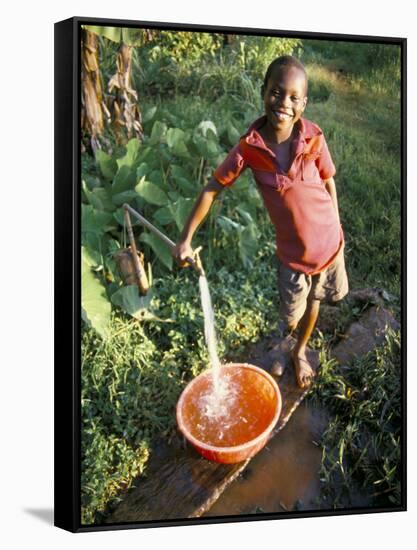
(151, 227)
(195, 264)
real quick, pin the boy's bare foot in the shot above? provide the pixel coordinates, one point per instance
(280, 354)
(277, 368)
(303, 371)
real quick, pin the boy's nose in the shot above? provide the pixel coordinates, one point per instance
(285, 101)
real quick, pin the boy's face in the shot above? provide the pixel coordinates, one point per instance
(285, 97)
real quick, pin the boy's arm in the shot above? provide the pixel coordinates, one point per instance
(331, 189)
(197, 215)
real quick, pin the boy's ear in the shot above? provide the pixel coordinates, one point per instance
(305, 102)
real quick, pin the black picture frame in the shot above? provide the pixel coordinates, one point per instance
(67, 388)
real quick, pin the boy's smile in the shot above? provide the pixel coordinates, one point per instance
(284, 100)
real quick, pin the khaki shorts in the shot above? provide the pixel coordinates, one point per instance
(330, 286)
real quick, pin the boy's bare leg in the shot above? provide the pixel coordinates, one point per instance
(303, 370)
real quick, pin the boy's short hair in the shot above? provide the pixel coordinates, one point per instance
(286, 61)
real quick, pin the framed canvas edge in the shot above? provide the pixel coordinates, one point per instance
(164, 25)
(403, 284)
(66, 279)
(67, 285)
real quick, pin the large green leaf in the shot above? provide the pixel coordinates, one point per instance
(104, 197)
(178, 171)
(180, 177)
(95, 305)
(126, 196)
(228, 225)
(233, 134)
(207, 148)
(124, 180)
(128, 298)
(174, 195)
(91, 257)
(248, 243)
(163, 215)
(132, 149)
(161, 250)
(151, 192)
(158, 134)
(98, 198)
(208, 129)
(87, 196)
(142, 170)
(180, 210)
(93, 241)
(245, 214)
(158, 178)
(175, 136)
(148, 114)
(186, 187)
(92, 182)
(176, 139)
(119, 216)
(107, 164)
(95, 221)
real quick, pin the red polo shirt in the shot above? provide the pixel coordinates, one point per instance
(308, 235)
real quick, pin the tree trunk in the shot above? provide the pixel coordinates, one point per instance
(93, 108)
(124, 106)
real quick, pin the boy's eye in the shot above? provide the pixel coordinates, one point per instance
(276, 93)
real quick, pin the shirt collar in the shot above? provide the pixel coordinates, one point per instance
(306, 131)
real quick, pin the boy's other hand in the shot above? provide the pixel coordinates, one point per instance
(181, 252)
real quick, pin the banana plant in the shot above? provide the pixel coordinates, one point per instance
(121, 109)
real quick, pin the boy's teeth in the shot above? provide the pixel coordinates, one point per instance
(283, 116)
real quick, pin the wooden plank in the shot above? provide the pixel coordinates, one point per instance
(180, 483)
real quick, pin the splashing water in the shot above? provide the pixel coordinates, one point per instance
(217, 402)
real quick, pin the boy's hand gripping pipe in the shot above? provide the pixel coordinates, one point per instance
(195, 262)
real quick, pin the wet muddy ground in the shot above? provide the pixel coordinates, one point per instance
(284, 475)
(180, 483)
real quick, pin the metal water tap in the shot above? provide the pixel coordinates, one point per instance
(196, 264)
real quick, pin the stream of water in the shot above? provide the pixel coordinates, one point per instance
(217, 402)
(209, 330)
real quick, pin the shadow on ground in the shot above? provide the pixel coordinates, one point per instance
(44, 514)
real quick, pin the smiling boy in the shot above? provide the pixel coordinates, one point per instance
(293, 169)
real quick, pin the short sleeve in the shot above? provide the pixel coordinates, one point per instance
(325, 163)
(231, 168)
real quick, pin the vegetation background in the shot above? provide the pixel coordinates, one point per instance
(196, 98)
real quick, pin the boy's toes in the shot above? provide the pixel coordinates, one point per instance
(303, 371)
(305, 381)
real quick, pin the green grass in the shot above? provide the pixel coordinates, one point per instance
(361, 445)
(130, 383)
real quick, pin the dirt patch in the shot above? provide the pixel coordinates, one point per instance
(365, 334)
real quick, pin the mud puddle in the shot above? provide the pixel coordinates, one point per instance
(284, 475)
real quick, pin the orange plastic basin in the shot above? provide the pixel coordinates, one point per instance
(249, 413)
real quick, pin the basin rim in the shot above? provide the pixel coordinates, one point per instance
(236, 448)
